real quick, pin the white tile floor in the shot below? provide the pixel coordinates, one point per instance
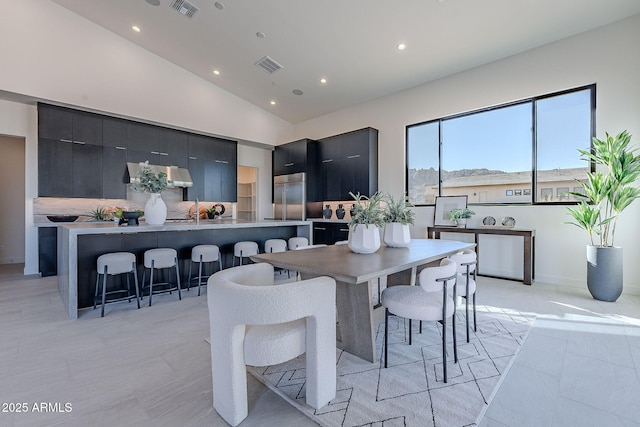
(580, 365)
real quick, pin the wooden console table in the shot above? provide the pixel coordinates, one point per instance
(529, 237)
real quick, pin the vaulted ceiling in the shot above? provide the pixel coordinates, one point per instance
(353, 44)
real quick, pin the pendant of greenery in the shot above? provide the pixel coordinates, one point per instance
(398, 211)
(607, 193)
(147, 181)
(367, 210)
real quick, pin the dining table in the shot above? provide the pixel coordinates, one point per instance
(352, 273)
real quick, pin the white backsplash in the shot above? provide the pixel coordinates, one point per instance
(176, 207)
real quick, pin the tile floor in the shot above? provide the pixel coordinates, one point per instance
(580, 365)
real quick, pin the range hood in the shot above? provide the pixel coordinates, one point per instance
(176, 177)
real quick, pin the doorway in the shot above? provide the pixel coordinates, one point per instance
(12, 193)
(247, 193)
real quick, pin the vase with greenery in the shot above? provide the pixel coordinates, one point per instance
(365, 224)
(606, 193)
(147, 181)
(460, 216)
(398, 216)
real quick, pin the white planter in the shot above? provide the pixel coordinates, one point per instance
(155, 210)
(396, 235)
(364, 239)
(461, 222)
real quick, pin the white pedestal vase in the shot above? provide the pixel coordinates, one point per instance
(155, 210)
(461, 222)
(396, 235)
(364, 239)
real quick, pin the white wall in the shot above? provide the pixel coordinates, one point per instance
(48, 53)
(12, 196)
(607, 56)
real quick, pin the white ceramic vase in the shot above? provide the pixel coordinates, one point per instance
(461, 222)
(155, 210)
(396, 235)
(364, 239)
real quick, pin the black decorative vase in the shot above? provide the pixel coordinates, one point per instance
(340, 211)
(327, 212)
(352, 211)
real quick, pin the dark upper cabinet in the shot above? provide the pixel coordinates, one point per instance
(213, 168)
(54, 174)
(348, 163)
(86, 165)
(68, 125)
(173, 147)
(290, 158)
(158, 146)
(87, 129)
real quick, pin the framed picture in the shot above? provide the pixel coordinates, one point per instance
(444, 204)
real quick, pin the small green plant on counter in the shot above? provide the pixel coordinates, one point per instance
(456, 214)
(367, 210)
(99, 214)
(398, 211)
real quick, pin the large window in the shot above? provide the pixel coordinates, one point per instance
(522, 152)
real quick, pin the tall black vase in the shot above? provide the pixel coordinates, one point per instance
(340, 211)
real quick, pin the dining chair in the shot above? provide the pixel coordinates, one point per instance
(432, 300)
(254, 322)
(465, 284)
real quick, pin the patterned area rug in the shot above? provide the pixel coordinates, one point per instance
(410, 392)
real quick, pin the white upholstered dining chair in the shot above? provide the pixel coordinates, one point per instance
(466, 282)
(254, 322)
(432, 300)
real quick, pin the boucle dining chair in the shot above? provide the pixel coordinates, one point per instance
(465, 284)
(254, 322)
(432, 300)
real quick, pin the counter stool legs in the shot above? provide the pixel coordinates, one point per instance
(161, 258)
(113, 264)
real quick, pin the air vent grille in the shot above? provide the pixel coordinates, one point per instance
(184, 7)
(268, 65)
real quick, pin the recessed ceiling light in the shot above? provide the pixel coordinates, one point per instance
(402, 46)
(135, 28)
(219, 5)
(153, 2)
(297, 92)
(323, 80)
(273, 102)
(260, 35)
(216, 72)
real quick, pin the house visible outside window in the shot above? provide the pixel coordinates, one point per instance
(491, 154)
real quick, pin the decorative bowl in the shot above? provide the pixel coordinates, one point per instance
(62, 218)
(131, 217)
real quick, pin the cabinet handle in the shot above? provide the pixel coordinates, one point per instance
(355, 156)
(155, 152)
(193, 158)
(120, 148)
(65, 140)
(344, 229)
(164, 154)
(218, 161)
(288, 164)
(319, 228)
(222, 161)
(327, 161)
(79, 142)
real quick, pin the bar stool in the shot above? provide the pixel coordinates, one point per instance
(294, 242)
(202, 254)
(156, 259)
(112, 264)
(275, 246)
(244, 250)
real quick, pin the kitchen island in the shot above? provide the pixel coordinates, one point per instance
(80, 244)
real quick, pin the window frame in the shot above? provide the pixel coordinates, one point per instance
(534, 144)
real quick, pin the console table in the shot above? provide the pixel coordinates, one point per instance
(528, 236)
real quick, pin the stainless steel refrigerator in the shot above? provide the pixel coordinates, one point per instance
(289, 197)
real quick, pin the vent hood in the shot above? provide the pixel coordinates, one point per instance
(176, 177)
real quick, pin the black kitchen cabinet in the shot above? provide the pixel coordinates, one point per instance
(55, 177)
(213, 168)
(86, 165)
(69, 125)
(159, 146)
(349, 163)
(329, 233)
(48, 251)
(290, 158)
(173, 146)
(114, 159)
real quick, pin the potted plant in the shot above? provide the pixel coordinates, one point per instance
(148, 181)
(397, 216)
(606, 194)
(365, 224)
(213, 211)
(460, 216)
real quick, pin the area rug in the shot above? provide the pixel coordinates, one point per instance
(411, 392)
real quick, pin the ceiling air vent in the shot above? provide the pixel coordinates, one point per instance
(184, 7)
(268, 65)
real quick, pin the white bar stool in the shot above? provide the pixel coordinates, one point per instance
(112, 264)
(244, 250)
(156, 259)
(203, 254)
(275, 246)
(294, 242)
